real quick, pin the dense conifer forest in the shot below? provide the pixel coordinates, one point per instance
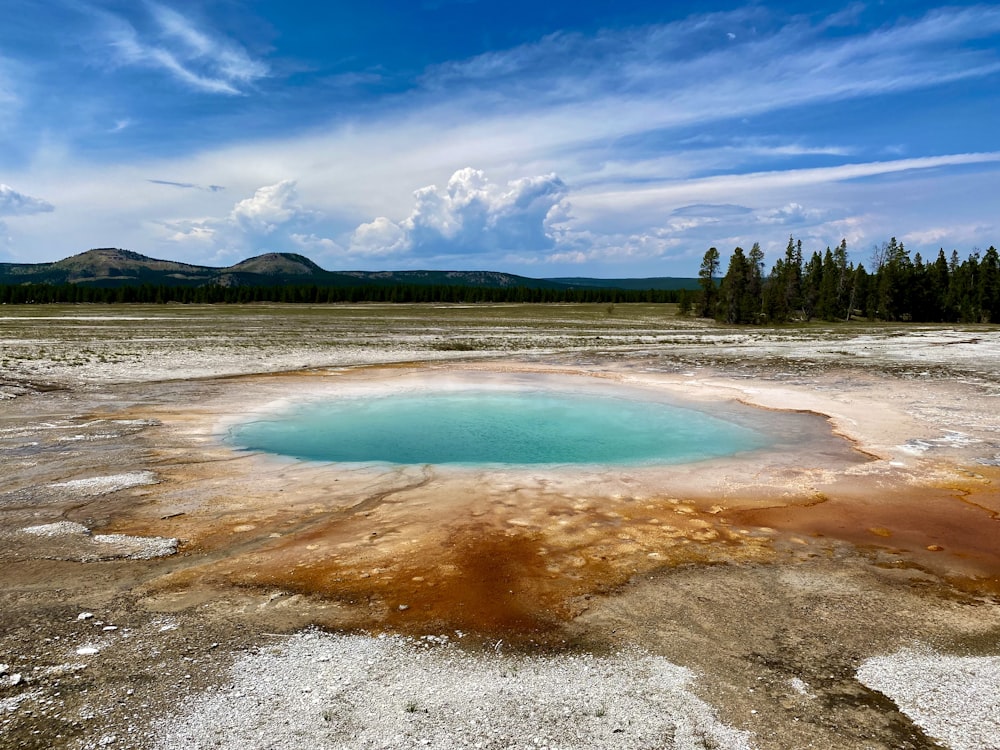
(827, 286)
(317, 294)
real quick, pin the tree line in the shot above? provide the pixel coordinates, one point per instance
(828, 286)
(15, 294)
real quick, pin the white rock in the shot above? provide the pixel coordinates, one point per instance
(87, 650)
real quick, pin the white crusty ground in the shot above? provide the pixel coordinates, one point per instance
(320, 690)
(954, 699)
(82, 546)
(96, 486)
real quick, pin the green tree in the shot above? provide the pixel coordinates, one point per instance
(812, 280)
(683, 303)
(826, 302)
(989, 287)
(734, 289)
(707, 274)
(755, 284)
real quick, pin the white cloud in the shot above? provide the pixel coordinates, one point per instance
(13, 203)
(269, 207)
(653, 77)
(199, 58)
(950, 233)
(730, 186)
(324, 245)
(271, 216)
(379, 237)
(228, 59)
(791, 214)
(472, 215)
(198, 231)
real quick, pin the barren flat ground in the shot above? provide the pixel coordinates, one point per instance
(161, 589)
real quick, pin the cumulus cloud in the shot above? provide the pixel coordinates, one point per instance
(269, 207)
(271, 215)
(13, 203)
(379, 237)
(472, 215)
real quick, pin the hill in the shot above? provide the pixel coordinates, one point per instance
(113, 267)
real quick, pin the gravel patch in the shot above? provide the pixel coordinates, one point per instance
(955, 699)
(353, 691)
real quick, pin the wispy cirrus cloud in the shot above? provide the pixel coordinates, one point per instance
(8, 97)
(197, 57)
(688, 71)
(729, 185)
(187, 185)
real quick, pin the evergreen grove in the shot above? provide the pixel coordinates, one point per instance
(316, 294)
(829, 287)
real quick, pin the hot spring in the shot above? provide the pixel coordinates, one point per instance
(481, 426)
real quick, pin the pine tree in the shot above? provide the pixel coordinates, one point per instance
(707, 274)
(989, 287)
(812, 280)
(755, 285)
(734, 289)
(826, 298)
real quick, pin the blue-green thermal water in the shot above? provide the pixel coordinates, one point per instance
(495, 427)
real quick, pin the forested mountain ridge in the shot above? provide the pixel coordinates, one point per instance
(112, 267)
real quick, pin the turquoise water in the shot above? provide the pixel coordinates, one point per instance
(496, 427)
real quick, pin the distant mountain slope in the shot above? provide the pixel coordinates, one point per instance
(490, 279)
(278, 264)
(653, 282)
(112, 267)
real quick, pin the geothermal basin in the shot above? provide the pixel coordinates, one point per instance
(781, 573)
(490, 502)
(517, 420)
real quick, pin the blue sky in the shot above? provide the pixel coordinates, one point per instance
(548, 139)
